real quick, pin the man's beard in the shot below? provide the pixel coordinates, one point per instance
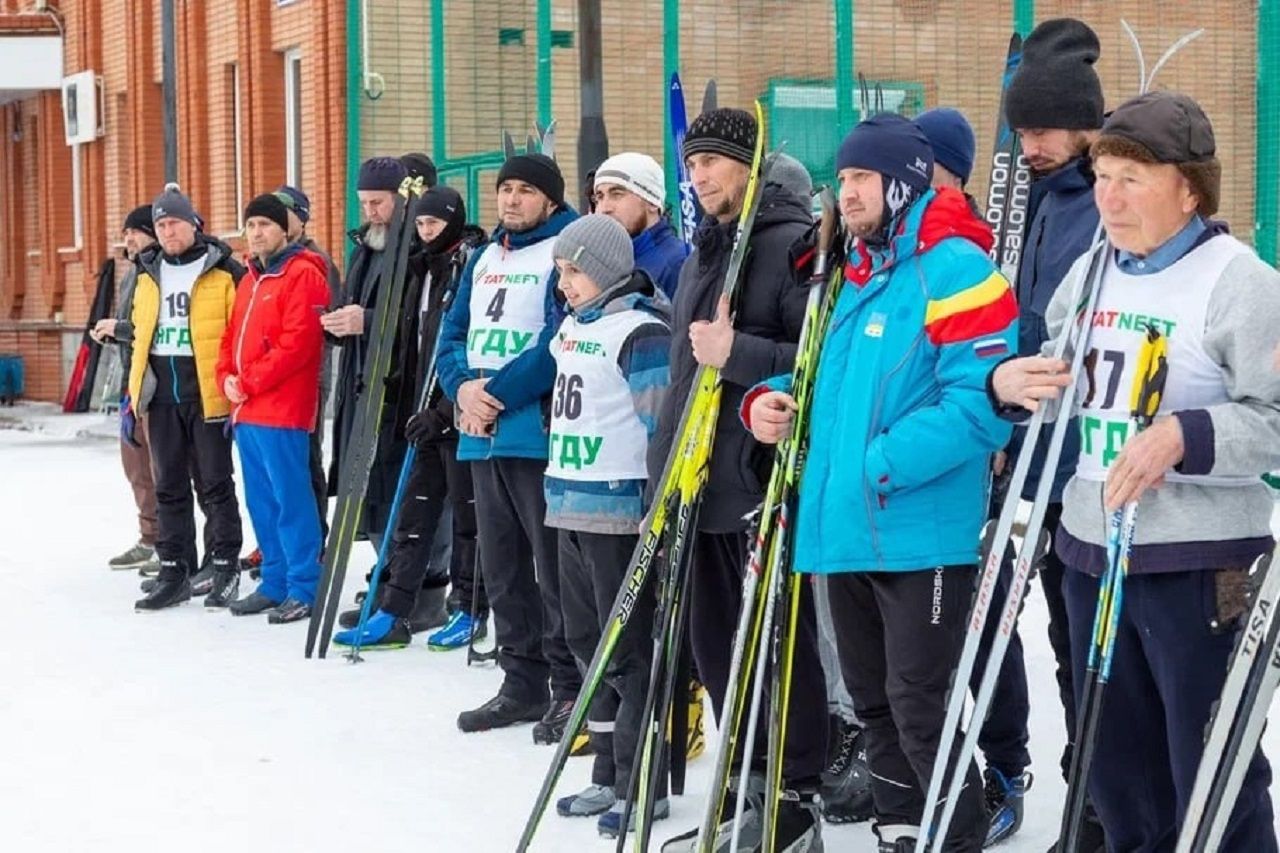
(375, 237)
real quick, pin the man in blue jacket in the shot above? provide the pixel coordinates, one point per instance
(922, 317)
(630, 188)
(493, 361)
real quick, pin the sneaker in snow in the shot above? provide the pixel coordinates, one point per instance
(457, 632)
(135, 558)
(226, 586)
(165, 593)
(1004, 797)
(382, 631)
(550, 729)
(591, 800)
(252, 604)
(846, 781)
(500, 712)
(610, 823)
(289, 610)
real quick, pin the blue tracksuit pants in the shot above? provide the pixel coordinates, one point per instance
(282, 507)
(1170, 661)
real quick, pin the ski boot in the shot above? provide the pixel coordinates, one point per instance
(226, 586)
(751, 832)
(500, 712)
(1004, 799)
(289, 610)
(252, 604)
(382, 631)
(846, 782)
(202, 581)
(592, 800)
(896, 838)
(457, 632)
(252, 564)
(550, 729)
(697, 743)
(610, 823)
(428, 610)
(168, 589)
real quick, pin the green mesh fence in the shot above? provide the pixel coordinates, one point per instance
(451, 76)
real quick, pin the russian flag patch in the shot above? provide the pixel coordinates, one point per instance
(990, 348)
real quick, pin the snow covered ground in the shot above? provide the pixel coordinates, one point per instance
(196, 731)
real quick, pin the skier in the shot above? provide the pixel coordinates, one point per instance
(630, 187)
(748, 343)
(269, 369)
(1003, 735)
(299, 207)
(135, 456)
(611, 357)
(350, 326)
(1204, 513)
(901, 571)
(181, 307)
(1054, 103)
(437, 476)
(494, 364)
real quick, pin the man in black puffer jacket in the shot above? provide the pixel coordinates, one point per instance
(754, 341)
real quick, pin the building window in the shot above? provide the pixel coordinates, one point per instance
(293, 116)
(237, 145)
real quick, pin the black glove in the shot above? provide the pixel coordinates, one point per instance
(427, 426)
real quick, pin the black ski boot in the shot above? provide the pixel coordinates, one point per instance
(1092, 838)
(252, 604)
(550, 729)
(751, 832)
(896, 839)
(172, 587)
(799, 822)
(289, 610)
(351, 618)
(846, 782)
(500, 712)
(226, 586)
(202, 581)
(428, 610)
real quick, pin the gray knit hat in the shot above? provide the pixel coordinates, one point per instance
(791, 175)
(172, 204)
(599, 246)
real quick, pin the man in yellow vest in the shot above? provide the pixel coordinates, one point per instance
(181, 307)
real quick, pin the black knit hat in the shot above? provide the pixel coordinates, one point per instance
(381, 173)
(1056, 85)
(724, 131)
(441, 202)
(139, 219)
(419, 165)
(269, 207)
(537, 170)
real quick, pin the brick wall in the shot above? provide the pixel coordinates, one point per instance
(46, 279)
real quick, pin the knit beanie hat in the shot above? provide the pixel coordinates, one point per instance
(446, 204)
(172, 204)
(725, 131)
(1056, 85)
(419, 165)
(269, 207)
(297, 201)
(599, 246)
(790, 174)
(536, 170)
(140, 219)
(951, 138)
(637, 173)
(891, 145)
(381, 173)
(1166, 127)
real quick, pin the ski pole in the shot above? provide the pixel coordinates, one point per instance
(1148, 388)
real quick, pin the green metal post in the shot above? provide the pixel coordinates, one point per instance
(439, 147)
(670, 65)
(844, 67)
(544, 62)
(1267, 142)
(1024, 16)
(355, 91)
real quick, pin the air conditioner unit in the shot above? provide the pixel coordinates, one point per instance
(82, 111)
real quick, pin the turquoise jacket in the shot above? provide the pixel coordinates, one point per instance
(897, 472)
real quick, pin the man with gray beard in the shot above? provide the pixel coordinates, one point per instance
(349, 326)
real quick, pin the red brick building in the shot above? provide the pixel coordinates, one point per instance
(260, 102)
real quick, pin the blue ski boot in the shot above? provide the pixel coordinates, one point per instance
(456, 633)
(382, 631)
(610, 823)
(1004, 795)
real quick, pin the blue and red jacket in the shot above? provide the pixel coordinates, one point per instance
(902, 431)
(274, 341)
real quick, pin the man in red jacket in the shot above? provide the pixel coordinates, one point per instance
(269, 369)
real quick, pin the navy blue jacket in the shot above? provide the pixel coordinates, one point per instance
(660, 252)
(1064, 220)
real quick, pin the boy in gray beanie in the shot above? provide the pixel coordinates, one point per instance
(612, 355)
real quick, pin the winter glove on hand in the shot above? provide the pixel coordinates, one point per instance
(427, 425)
(128, 423)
